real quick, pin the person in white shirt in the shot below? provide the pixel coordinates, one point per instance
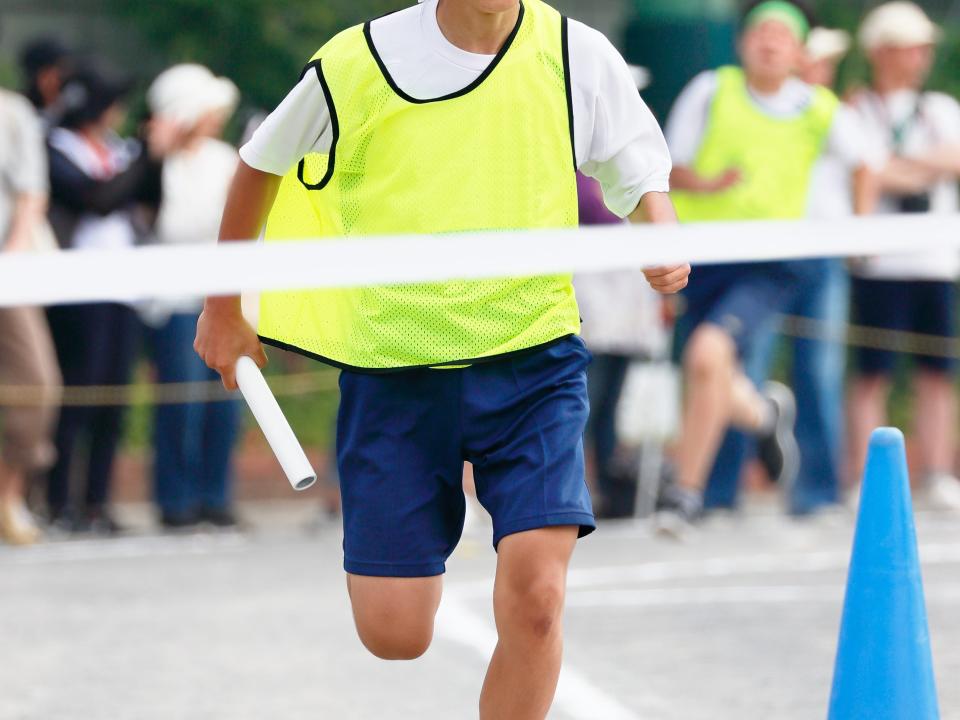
(27, 357)
(919, 132)
(409, 83)
(193, 441)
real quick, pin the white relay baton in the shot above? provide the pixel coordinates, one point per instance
(274, 425)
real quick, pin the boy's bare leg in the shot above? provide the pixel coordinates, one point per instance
(528, 603)
(867, 411)
(16, 525)
(710, 368)
(395, 616)
(935, 421)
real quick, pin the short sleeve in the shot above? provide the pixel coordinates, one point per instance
(687, 123)
(299, 126)
(618, 140)
(848, 142)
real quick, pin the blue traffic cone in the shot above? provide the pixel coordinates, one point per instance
(884, 668)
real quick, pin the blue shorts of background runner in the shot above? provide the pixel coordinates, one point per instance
(741, 298)
(402, 439)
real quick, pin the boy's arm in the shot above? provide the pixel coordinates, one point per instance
(905, 176)
(943, 160)
(686, 178)
(656, 208)
(866, 190)
(223, 335)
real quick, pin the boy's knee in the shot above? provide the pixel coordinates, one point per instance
(710, 351)
(535, 609)
(394, 617)
(396, 641)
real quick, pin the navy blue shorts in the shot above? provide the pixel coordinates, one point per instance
(402, 439)
(915, 306)
(741, 298)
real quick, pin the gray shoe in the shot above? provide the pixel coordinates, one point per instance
(777, 448)
(678, 511)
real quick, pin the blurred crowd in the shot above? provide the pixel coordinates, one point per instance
(69, 179)
(767, 139)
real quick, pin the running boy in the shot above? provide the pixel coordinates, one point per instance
(449, 116)
(745, 141)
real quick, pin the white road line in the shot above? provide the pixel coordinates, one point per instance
(577, 698)
(674, 597)
(739, 595)
(122, 549)
(757, 564)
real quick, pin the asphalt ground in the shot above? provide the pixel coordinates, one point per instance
(740, 622)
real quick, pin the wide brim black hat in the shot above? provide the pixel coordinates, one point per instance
(88, 93)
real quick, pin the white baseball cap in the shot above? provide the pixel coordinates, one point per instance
(898, 24)
(826, 44)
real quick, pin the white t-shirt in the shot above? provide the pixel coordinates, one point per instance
(23, 156)
(929, 121)
(617, 139)
(195, 187)
(831, 191)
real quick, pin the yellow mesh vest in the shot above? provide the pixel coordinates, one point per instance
(497, 155)
(776, 156)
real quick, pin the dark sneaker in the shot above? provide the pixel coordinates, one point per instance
(179, 520)
(777, 448)
(100, 521)
(678, 511)
(219, 517)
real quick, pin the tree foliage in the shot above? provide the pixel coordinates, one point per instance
(260, 44)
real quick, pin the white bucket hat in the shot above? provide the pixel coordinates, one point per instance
(898, 24)
(825, 44)
(185, 93)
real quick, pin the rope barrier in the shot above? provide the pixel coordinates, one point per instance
(158, 394)
(793, 326)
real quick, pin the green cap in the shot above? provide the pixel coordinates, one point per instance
(781, 11)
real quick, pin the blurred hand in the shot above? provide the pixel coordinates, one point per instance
(224, 336)
(165, 137)
(668, 280)
(727, 180)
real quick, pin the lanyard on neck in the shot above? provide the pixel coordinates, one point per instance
(899, 131)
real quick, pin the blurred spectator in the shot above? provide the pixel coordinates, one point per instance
(96, 178)
(818, 367)
(27, 357)
(45, 63)
(622, 323)
(745, 143)
(920, 132)
(193, 442)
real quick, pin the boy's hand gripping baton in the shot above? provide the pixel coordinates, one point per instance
(275, 427)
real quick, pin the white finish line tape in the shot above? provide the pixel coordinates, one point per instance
(176, 272)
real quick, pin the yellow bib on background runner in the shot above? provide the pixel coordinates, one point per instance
(496, 155)
(776, 156)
